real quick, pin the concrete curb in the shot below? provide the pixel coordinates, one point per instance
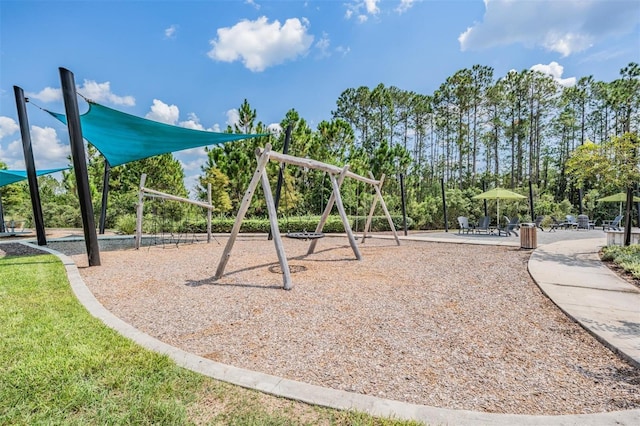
(318, 395)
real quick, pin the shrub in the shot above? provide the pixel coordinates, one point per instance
(628, 258)
(126, 224)
(262, 225)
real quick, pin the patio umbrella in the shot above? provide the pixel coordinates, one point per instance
(498, 194)
(620, 197)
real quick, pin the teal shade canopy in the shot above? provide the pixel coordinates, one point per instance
(8, 177)
(122, 137)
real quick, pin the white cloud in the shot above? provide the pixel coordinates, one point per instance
(8, 126)
(371, 6)
(260, 44)
(48, 94)
(193, 122)
(253, 3)
(98, 92)
(362, 9)
(192, 169)
(47, 148)
(193, 165)
(101, 92)
(163, 113)
(48, 151)
(171, 31)
(565, 27)
(344, 51)
(323, 45)
(404, 6)
(275, 129)
(13, 156)
(233, 117)
(555, 70)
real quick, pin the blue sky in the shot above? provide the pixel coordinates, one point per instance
(192, 63)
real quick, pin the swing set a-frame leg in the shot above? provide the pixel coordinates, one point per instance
(384, 208)
(343, 213)
(367, 225)
(275, 231)
(246, 202)
(325, 214)
(260, 175)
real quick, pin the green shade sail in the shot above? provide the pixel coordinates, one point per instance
(498, 194)
(8, 177)
(123, 137)
(620, 197)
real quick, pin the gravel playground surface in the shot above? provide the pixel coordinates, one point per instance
(447, 325)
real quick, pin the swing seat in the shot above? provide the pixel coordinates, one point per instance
(304, 235)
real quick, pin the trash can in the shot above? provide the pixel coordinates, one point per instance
(528, 236)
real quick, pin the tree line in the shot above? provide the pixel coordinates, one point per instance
(475, 131)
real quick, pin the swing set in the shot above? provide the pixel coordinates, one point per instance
(336, 175)
(152, 193)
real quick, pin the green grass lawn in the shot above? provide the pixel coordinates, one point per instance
(60, 365)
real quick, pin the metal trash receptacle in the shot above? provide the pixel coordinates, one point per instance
(528, 236)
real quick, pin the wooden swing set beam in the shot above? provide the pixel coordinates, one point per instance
(174, 198)
(313, 164)
(143, 191)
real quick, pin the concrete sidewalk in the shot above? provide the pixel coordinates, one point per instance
(571, 274)
(567, 270)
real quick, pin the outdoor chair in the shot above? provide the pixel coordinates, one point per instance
(13, 226)
(583, 222)
(571, 222)
(463, 223)
(538, 222)
(613, 225)
(555, 224)
(512, 225)
(483, 225)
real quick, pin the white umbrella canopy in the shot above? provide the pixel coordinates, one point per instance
(620, 197)
(498, 194)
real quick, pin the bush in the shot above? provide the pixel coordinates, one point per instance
(262, 225)
(126, 224)
(427, 213)
(628, 258)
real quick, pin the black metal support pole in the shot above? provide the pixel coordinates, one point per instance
(404, 204)
(105, 195)
(80, 165)
(444, 206)
(21, 104)
(484, 189)
(627, 216)
(1, 215)
(533, 215)
(285, 150)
